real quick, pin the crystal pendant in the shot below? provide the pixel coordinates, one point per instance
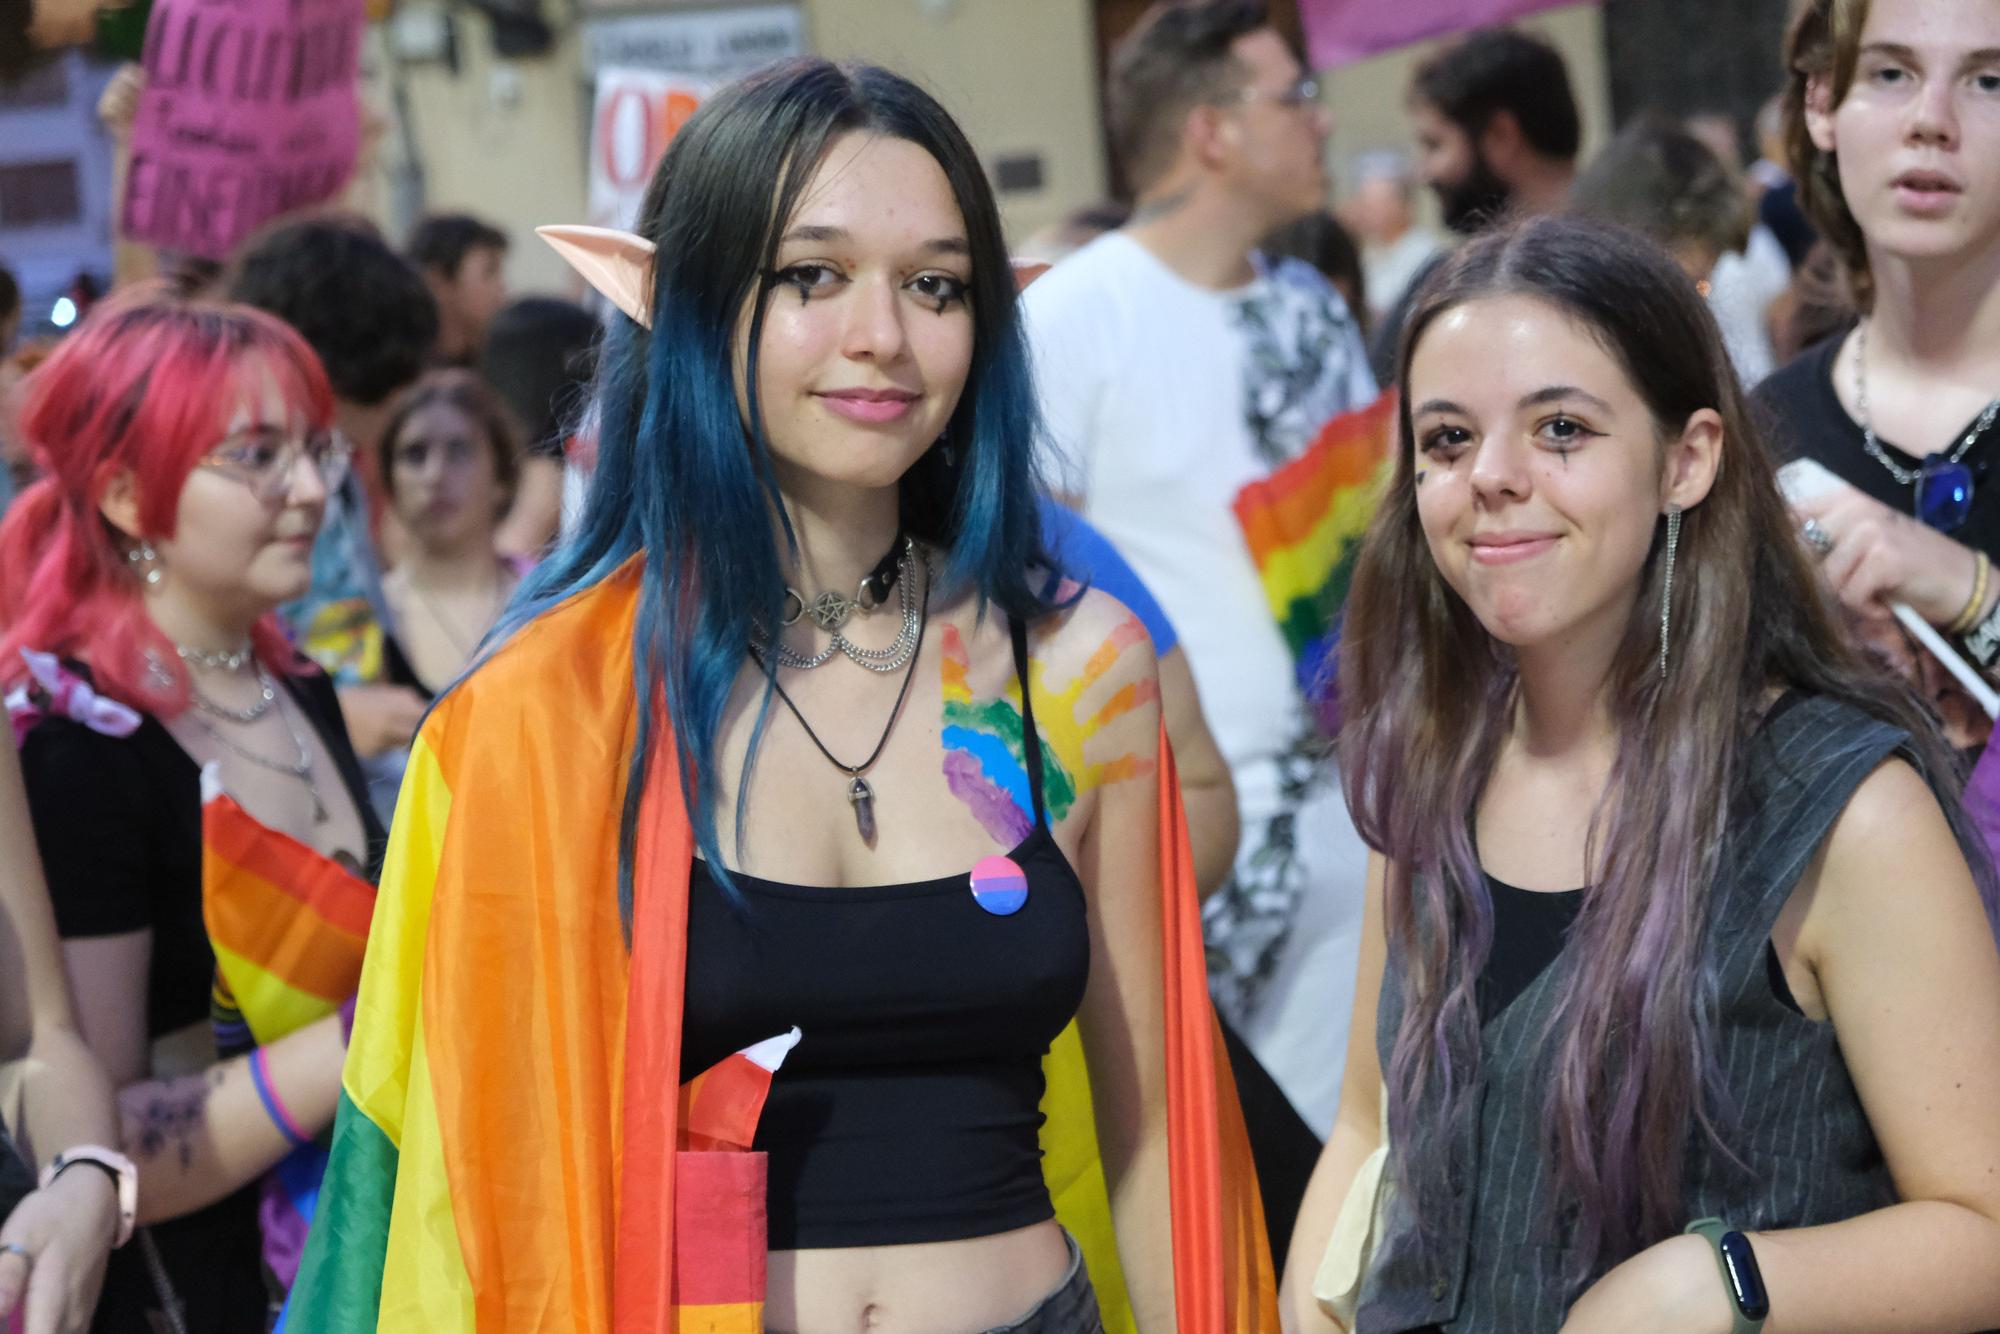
(862, 798)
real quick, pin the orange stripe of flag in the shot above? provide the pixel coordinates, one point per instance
(1283, 508)
(244, 917)
(229, 833)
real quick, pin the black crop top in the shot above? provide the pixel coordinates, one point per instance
(1531, 926)
(911, 1109)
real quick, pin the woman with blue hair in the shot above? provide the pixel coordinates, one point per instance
(797, 751)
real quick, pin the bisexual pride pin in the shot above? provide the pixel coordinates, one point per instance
(999, 886)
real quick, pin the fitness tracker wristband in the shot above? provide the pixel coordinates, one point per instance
(1740, 1275)
(1982, 641)
(113, 1164)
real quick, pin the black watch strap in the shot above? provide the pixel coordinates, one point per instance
(1749, 1303)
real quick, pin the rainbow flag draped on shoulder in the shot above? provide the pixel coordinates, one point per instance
(1304, 524)
(508, 1155)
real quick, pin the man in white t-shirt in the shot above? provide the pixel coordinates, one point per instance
(1177, 365)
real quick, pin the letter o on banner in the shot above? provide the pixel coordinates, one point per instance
(638, 112)
(625, 134)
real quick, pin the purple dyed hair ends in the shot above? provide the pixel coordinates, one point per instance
(1428, 697)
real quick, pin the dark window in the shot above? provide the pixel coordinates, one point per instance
(44, 86)
(39, 194)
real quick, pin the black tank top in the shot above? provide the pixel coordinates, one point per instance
(911, 1109)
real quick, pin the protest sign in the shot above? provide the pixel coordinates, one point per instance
(637, 113)
(249, 112)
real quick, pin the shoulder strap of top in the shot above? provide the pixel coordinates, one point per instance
(1799, 771)
(1031, 742)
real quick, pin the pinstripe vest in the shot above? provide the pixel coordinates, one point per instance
(1808, 1155)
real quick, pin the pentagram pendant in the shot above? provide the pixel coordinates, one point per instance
(830, 611)
(862, 798)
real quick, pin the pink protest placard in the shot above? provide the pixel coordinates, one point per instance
(1339, 32)
(249, 112)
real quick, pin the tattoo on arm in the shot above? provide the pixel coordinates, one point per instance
(985, 753)
(169, 1119)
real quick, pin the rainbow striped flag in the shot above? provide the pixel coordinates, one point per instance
(1304, 524)
(289, 928)
(510, 1155)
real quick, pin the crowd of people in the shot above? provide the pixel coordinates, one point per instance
(1243, 765)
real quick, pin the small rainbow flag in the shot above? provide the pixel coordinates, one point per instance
(1304, 525)
(720, 1192)
(289, 927)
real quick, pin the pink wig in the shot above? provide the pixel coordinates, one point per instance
(146, 387)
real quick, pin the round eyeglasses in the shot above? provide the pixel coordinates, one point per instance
(266, 460)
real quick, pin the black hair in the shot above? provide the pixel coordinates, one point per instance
(685, 482)
(443, 240)
(1504, 69)
(1177, 58)
(10, 293)
(365, 311)
(540, 356)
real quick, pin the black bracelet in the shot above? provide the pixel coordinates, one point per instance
(110, 1172)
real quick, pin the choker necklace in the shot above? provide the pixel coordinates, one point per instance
(221, 662)
(901, 574)
(829, 611)
(861, 793)
(249, 715)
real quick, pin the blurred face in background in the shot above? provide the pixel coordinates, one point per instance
(445, 478)
(1470, 193)
(1277, 127)
(1379, 211)
(468, 301)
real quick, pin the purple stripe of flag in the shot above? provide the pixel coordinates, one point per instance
(1339, 32)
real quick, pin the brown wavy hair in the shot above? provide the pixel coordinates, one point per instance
(1428, 697)
(1823, 41)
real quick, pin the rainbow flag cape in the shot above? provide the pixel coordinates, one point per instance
(509, 1150)
(289, 928)
(1304, 524)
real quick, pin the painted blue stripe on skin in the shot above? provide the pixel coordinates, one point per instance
(996, 761)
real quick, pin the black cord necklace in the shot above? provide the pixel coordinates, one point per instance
(860, 793)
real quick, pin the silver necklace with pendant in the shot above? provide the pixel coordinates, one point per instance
(860, 792)
(300, 768)
(831, 611)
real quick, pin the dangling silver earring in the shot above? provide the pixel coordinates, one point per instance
(1667, 594)
(950, 454)
(145, 562)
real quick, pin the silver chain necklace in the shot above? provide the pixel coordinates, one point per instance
(300, 768)
(1904, 476)
(886, 660)
(267, 697)
(231, 661)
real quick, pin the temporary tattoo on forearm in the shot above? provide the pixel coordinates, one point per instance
(985, 757)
